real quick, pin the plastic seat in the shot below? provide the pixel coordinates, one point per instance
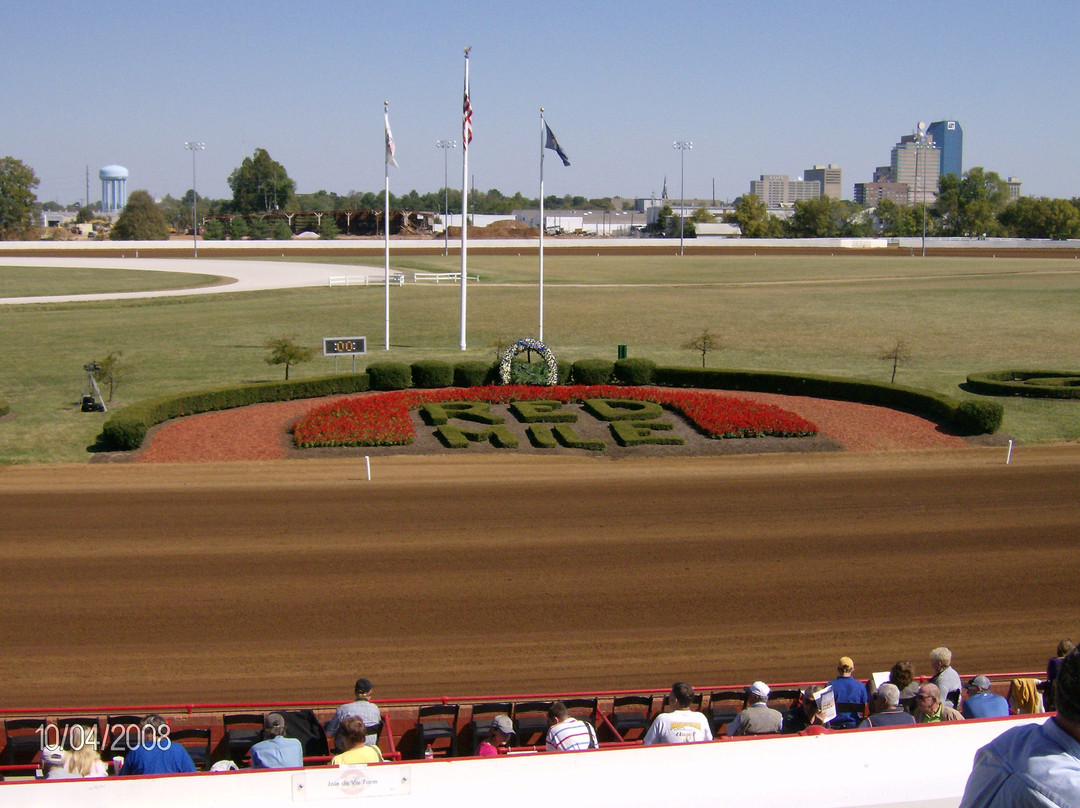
(857, 708)
(25, 737)
(196, 740)
(438, 723)
(530, 722)
(482, 715)
(242, 731)
(631, 716)
(583, 708)
(724, 705)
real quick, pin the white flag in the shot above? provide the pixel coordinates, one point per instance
(389, 142)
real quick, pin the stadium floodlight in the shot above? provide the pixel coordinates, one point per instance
(683, 146)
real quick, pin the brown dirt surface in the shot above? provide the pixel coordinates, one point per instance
(471, 574)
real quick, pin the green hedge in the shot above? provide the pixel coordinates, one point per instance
(389, 375)
(472, 374)
(635, 371)
(432, 373)
(126, 428)
(925, 402)
(593, 371)
(1027, 383)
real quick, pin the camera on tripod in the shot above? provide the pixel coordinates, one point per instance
(91, 400)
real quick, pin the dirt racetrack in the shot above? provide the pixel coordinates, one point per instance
(130, 583)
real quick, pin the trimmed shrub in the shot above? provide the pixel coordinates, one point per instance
(432, 373)
(566, 370)
(1027, 383)
(637, 371)
(389, 375)
(592, 371)
(979, 417)
(471, 374)
(126, 428)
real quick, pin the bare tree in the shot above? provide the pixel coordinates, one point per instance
(111, 370)
(898, 354)
(704, 342)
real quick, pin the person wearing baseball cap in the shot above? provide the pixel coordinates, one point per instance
(276, 751)
(979, 702)
(847, 690)
(757, 717)
(363, 708)
(498, 735)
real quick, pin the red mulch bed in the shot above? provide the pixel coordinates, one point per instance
(261, 432)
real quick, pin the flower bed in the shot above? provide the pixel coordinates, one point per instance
(383, 419)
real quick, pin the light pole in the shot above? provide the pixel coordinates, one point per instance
(445, 145)
(683, 146)
(194, 146)
(921, 142)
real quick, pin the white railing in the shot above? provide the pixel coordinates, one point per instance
(437, 277)
(365, 280)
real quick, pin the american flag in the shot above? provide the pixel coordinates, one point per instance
(466, 119)
(390, 149)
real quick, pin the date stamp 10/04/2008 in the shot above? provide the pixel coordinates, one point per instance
(118, 738)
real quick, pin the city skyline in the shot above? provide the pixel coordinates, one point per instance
(776, 89)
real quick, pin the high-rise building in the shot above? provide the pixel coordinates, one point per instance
(949, 137)
(1014, 188)
(829, 177)
(870, 193)
(918, 166)
(777, 189)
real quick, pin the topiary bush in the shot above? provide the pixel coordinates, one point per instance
(1027, 383)
(979, 417)
(566, 370)
(432, 373)
(473, 373)
(636, 371)
(592, 371)
(389, 375)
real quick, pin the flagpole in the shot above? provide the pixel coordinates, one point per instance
(386, 231)
(543, 143)
(466, 136)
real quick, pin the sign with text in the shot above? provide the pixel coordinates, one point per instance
(344, 346)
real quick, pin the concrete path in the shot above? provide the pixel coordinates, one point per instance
(243, 276)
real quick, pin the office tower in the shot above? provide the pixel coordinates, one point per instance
(917, 166)
(777, 189)
(949, 137)
(829, 177)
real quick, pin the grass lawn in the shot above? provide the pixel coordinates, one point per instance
(38, 281)
(832, 315)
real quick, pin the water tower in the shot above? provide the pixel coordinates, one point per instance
(113, 188)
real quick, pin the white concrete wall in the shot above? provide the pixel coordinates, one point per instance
(856, 768)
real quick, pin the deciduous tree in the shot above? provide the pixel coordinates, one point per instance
(285, 350)
(260, 184)
(140, 220)
(703, 343)
(17, 197)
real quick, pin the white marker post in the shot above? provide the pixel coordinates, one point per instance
(367, 462)
(1008, 456)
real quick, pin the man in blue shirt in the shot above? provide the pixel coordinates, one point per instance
(1036, 764)
(847, 690)
(276, 751)
(157, 754)
(981, 703)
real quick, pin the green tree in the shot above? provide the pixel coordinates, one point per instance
(970, 206)
(258, 228)
(281, 231)
(753, 218)
(85, 215)
(238, 228)
(17, 198)
(1031, 217)
(819, 218)
(898, 220)
(111, 370)
(284, 350)
(140, 220)
(214, 230)
(328, 228)
(260, 184)
(702, 215)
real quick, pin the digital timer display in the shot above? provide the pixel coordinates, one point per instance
(344, 346)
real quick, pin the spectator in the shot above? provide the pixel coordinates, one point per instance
(1036, 764)
(980, 702)
(847, 690)
(757, 717)
(276, 751)
(357, 750)
(681, 725)
(1025, 696)
(498, 735)
(362, 707)
(887, 709)
(81, 760)
(947, 680)
(1052, 667)
(804, 718)
(157, 754)
(566, 733)
(903, 676)
(929, 709)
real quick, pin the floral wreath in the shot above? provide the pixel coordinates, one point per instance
(529, 344)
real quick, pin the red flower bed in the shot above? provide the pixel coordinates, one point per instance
(383, 420)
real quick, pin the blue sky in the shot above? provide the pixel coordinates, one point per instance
(759, 87)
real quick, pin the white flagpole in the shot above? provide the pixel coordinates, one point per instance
(466, 136)
(543, 143)
(386, 233)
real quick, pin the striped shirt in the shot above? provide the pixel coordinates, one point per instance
(571, 735)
